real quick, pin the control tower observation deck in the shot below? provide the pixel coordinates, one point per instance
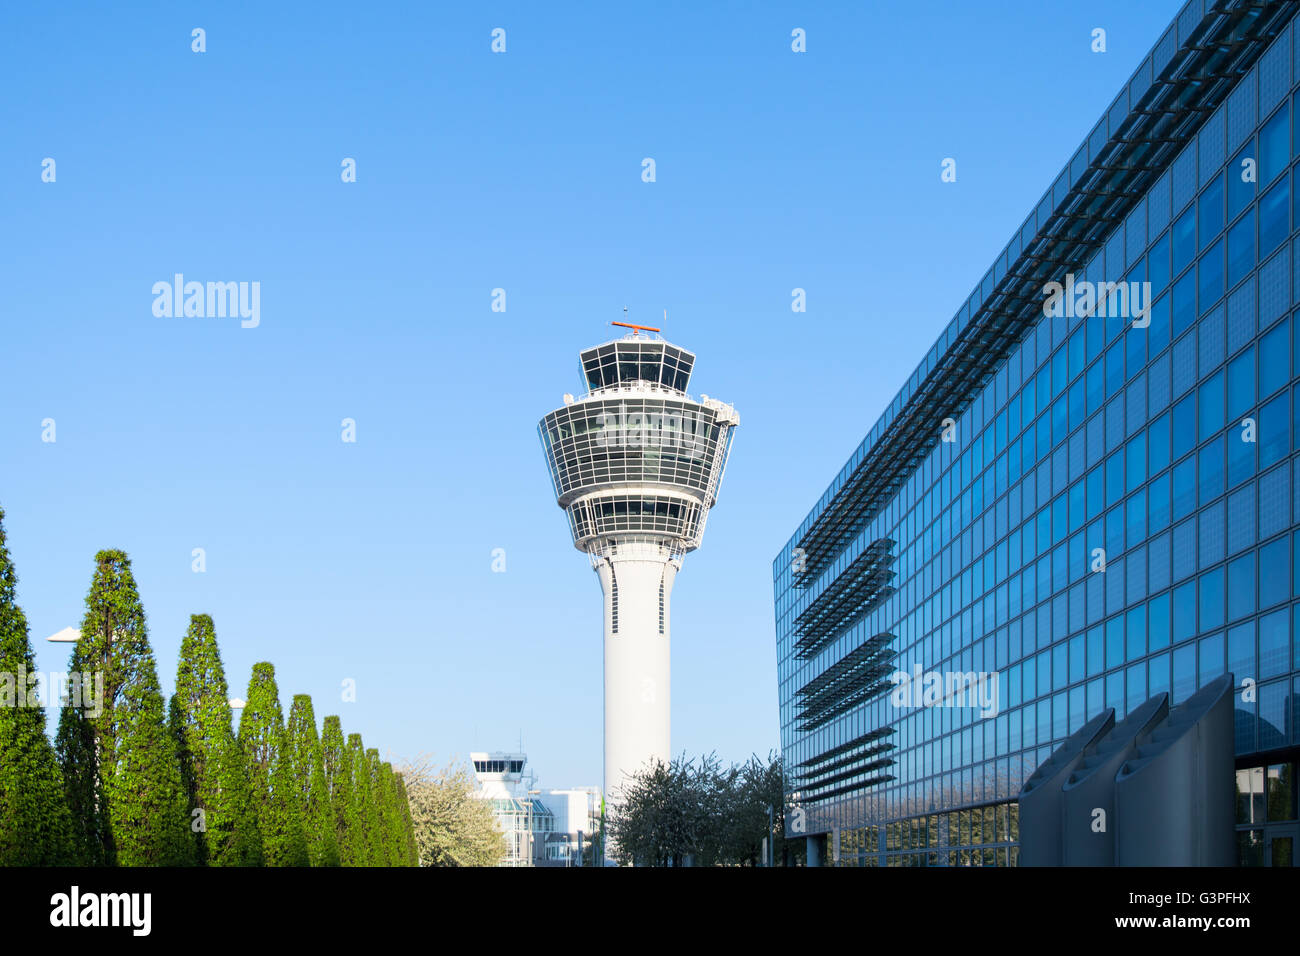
(636, 464)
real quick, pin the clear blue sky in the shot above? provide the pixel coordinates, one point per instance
(372, 560)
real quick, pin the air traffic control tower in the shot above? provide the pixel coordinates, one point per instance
(636, 464)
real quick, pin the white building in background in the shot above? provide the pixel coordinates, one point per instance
(576, 817)
(636, 464)
(542, 827)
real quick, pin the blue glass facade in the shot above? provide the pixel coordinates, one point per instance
(1087, 509)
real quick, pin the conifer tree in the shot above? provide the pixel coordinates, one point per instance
(212, 763)
(397, 817)
(270, 772)
(389, 821)
(411, 848)
(338, 778)
(247, 849)
(185, 758)
(74, 746)
(119, 759)
(375, 835)
(359, 827)
(35, 825)
(310, 786)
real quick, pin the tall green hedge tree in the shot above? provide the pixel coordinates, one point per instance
(74, 746)
(310, 785)
(376, 837)
(120, 764)
(338, 778)
(212, 763)
(390, 818)
(360, 824)
(410, 847)
(399, 818)
(35, 825)
(270, 771)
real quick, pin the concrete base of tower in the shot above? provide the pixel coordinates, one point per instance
(637, 580)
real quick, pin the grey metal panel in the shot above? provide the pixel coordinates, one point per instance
(1041, 802)
(1091, 787)
(1174, 796)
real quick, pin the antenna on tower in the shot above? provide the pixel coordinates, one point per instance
(637, 329)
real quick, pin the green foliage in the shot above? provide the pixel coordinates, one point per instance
(236, 779)
(309, 783)
(35, 825)
(132, 782)
(699, 812)
(74, 746)
(337, 761)
(377, 854)
(410, 850)
(450, 824)
(665, 812)
(390, 814)
(123, 760)
(212, 763)
(270, 772)
(747, 792)
(361, 820)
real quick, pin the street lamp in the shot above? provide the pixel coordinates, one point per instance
(771, 838)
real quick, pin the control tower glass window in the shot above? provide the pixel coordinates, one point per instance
(622, 363)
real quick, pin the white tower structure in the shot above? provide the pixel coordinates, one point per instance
(636, 464)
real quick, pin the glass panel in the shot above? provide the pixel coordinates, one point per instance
(1273, 146)
(1211, 600)
(1241, 384)
(1279, 783)
(1242, 175)
(1210, 276)
(1158, 265)
(1273, 209)
(1250, 795)
(1184, 488)
(1250, 848)
(1211, 405)
(1241, 248)
(1274, 430)
(1274, 355)
(1281, 851)
(1209, 211)
(1184, 302)
(1274, 640)
(1184, 240)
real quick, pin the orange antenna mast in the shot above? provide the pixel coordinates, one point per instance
(637, 329)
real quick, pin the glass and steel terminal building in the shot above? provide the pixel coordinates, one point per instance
(1087, 491)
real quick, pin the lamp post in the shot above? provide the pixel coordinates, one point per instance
(771, 839)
